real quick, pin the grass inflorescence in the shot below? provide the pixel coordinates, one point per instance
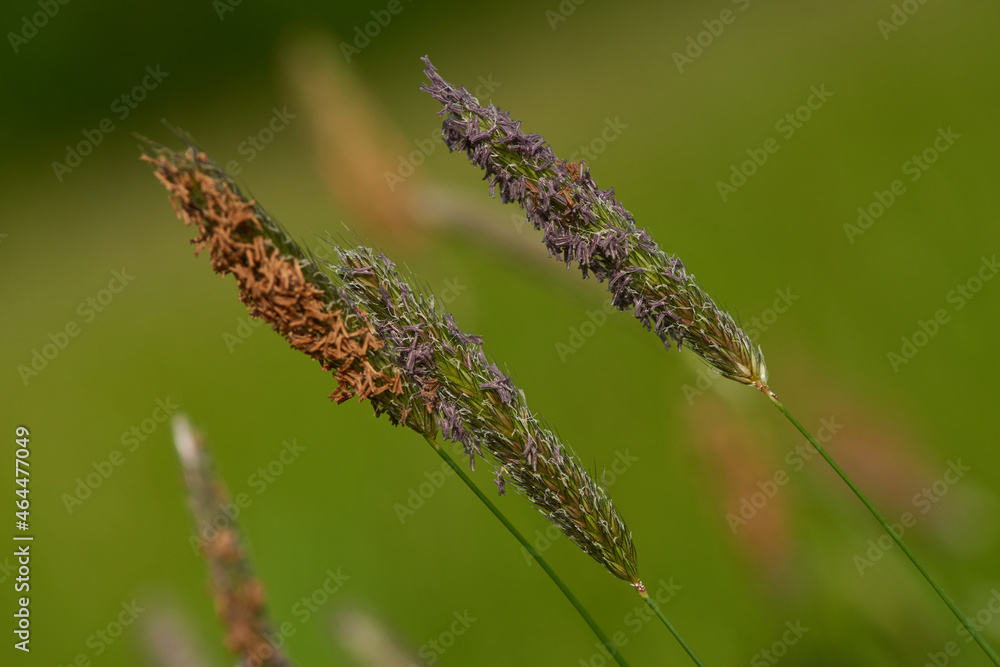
(480, 407)
(582, 223)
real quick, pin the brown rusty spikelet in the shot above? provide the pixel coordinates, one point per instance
(280, 285)
(272, 286)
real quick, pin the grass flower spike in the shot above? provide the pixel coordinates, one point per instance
(386, 343)
(583, 223)
(479, 406)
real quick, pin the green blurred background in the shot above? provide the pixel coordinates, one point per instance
(699, 446)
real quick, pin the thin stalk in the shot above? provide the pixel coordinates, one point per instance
(959, 614)
(534, 554)
(680, 640)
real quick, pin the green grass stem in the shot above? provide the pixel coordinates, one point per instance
(608, 644)
(959, 614)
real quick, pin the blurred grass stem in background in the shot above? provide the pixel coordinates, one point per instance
(238, 594)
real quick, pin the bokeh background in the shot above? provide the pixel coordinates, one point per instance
(696, 447)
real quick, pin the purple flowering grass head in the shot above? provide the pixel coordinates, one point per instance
(582, 223)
